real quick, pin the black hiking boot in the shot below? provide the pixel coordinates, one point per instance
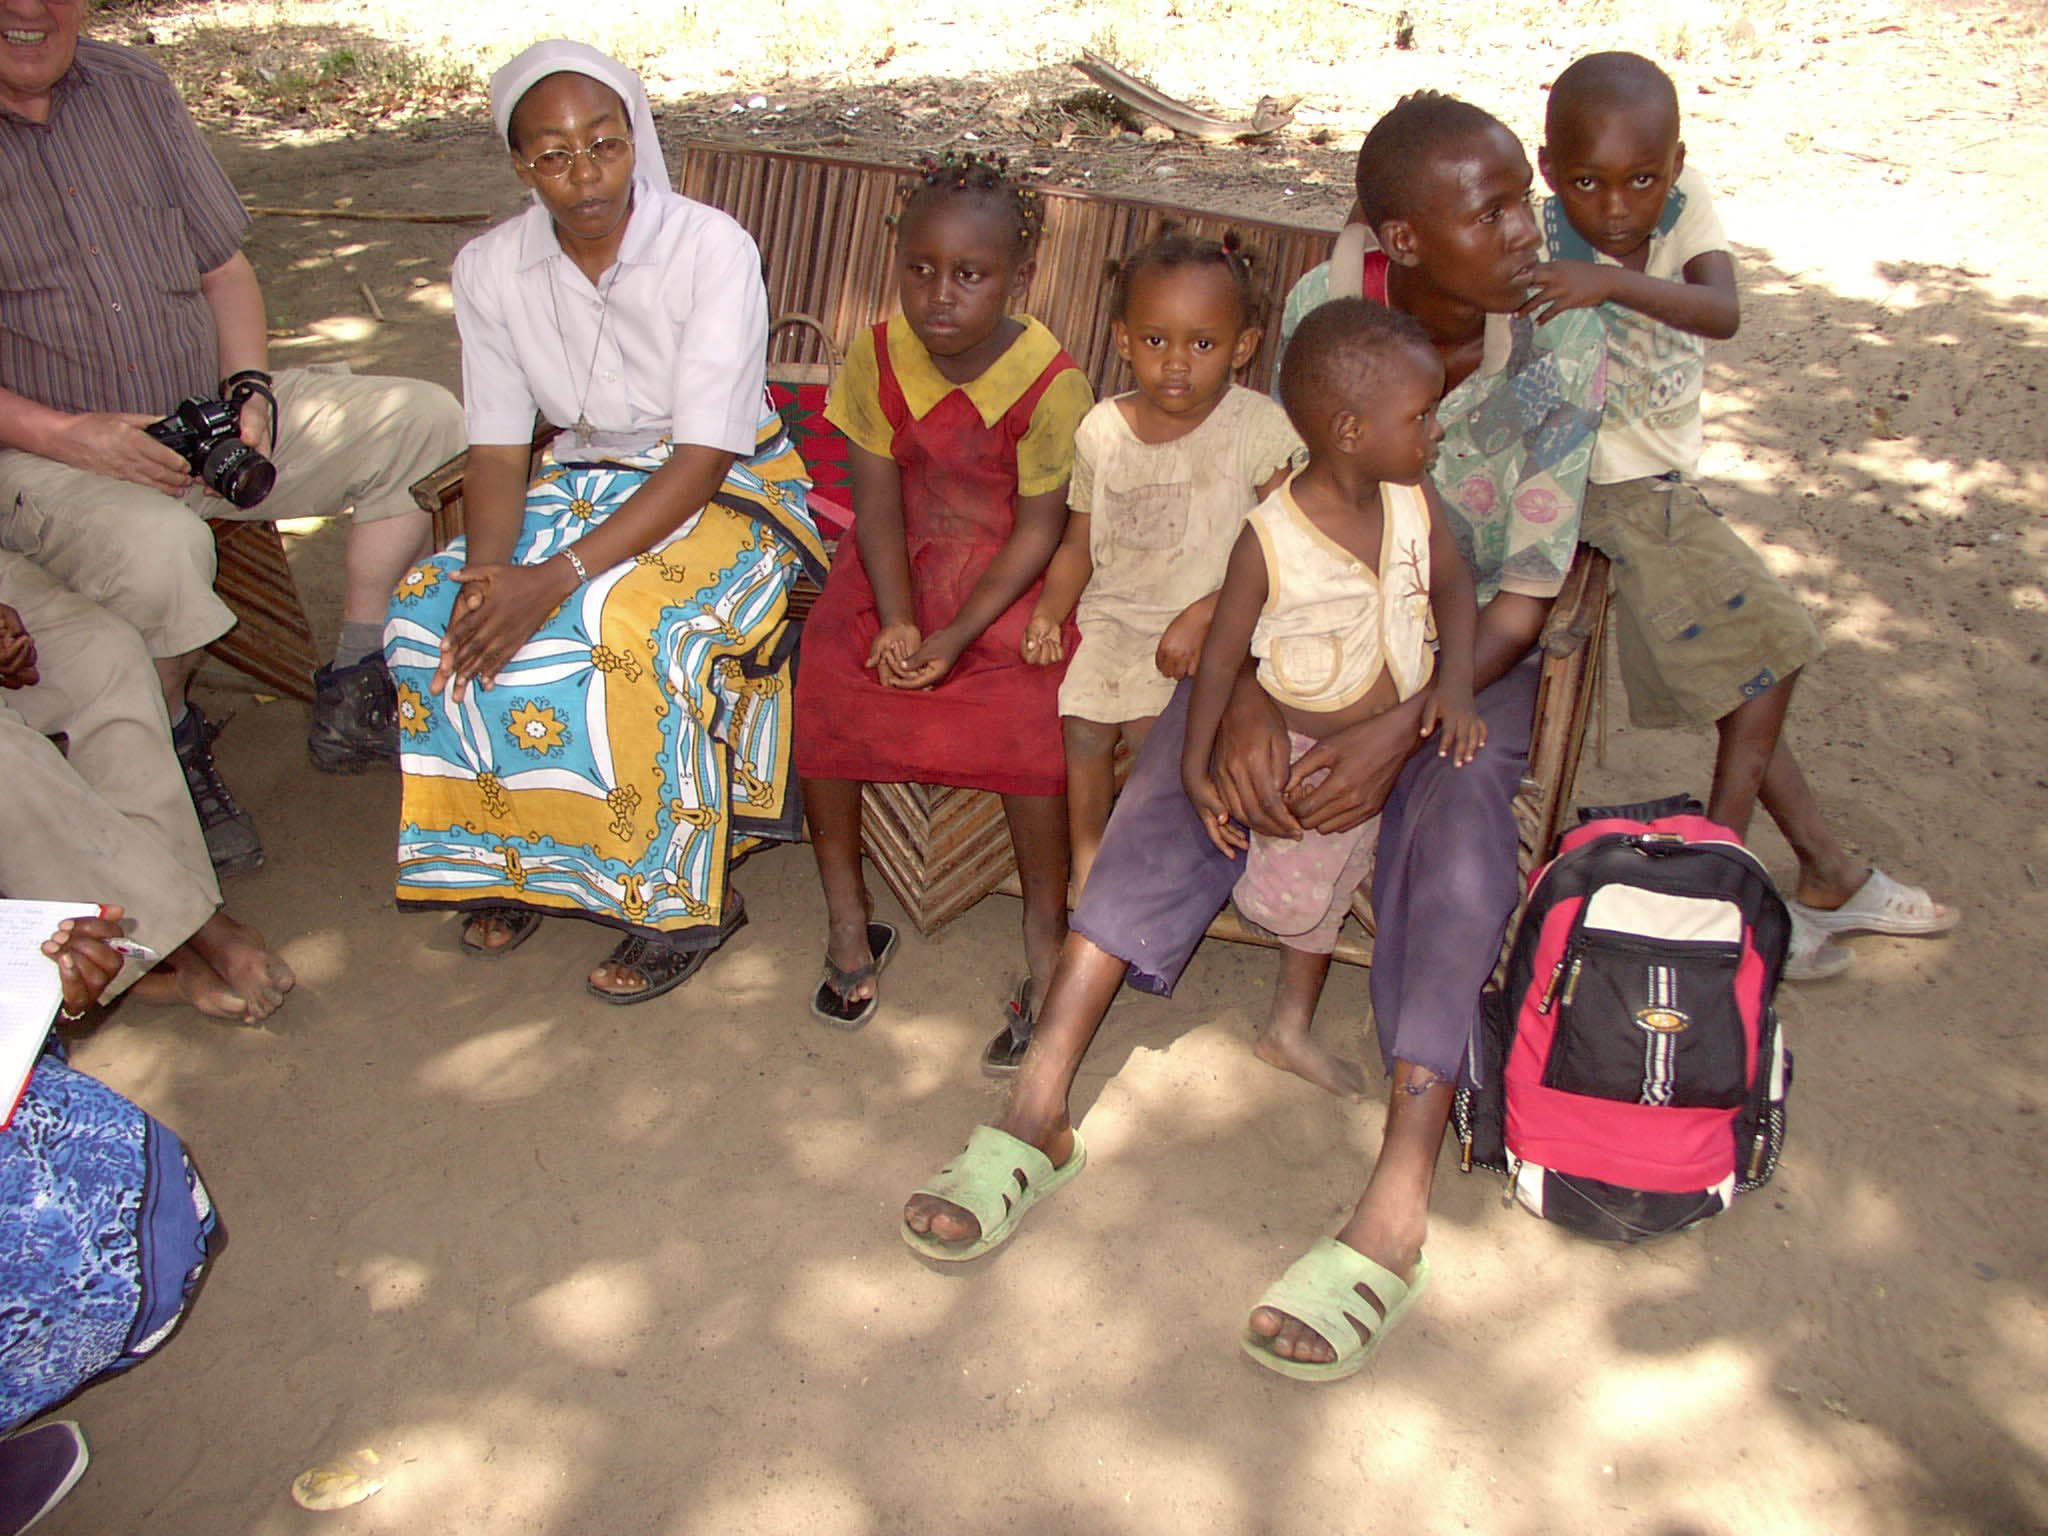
(355, 718)
(231, 840)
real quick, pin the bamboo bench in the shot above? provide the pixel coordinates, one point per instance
(819, 223)
(271, 641)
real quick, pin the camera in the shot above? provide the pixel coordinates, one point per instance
(207, 433)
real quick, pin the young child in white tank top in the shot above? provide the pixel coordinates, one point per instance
(1332, 586)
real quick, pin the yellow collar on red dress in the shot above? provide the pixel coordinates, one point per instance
(993, 393)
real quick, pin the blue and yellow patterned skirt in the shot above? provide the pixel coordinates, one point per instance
(640, 741)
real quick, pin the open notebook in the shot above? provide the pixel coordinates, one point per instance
(30, 990)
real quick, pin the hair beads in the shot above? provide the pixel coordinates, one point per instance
(1173, 248)
(984, 178)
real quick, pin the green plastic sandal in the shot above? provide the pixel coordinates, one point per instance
(982, 1180)
(1317, 1290)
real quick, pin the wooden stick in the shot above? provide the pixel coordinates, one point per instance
(1189, 122)
(373, 216)
(369, 298)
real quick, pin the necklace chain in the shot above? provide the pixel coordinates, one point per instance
(582, 427)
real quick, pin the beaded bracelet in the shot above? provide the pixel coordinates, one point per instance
(576, 562)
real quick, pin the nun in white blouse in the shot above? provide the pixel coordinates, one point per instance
(594, 682)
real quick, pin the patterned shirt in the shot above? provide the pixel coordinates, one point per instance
(1518, 440)
(1652, 424)
(110, 213)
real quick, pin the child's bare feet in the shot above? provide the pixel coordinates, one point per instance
(1295, 1052)
(241, 959)
(1285, 1042)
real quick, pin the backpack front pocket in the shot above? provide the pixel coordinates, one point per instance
(1649, 1021)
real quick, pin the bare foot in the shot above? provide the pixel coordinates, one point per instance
(1297, 1053)
(186, 978)
(1285, 1041)
(929, 1216)
(238, 954)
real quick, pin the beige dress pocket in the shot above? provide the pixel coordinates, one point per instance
(1148, 518)
(1307, 665)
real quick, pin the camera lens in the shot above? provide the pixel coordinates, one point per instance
(238, 472)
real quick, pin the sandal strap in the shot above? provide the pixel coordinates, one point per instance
(638, 952)
(843, 982)
(881, 944)
(981, 1178)
(1318, 1290)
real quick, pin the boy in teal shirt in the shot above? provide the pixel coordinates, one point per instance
(1706, 632)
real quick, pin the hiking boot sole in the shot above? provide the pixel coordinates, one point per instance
(240, 864)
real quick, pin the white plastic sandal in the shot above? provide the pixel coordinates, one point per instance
(1812, 955)
(1882, 905)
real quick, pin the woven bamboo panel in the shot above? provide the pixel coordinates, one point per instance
(827, 252)
(939, 849)
(271, 640)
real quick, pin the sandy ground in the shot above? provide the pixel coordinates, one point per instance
(571, 1269)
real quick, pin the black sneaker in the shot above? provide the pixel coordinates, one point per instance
(37, 1468)
(355, 718)
(231, 840)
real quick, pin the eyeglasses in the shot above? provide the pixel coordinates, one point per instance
(557, 163)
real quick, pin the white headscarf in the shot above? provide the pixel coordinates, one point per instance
(559, 56)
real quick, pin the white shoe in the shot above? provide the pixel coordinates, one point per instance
(1881, 905)
(1813, 955)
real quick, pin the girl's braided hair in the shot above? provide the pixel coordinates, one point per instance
(1173, 248)
(983, 178)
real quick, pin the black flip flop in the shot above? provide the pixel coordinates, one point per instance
(1002, 1056)
(523, 922)
(664, 966)
(830, 1004)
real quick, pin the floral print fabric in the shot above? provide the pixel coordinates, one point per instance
(643, 733)
(1518, 439)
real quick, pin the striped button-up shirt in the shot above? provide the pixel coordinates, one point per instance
(109, 214)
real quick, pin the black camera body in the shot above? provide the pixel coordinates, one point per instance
(207, 434)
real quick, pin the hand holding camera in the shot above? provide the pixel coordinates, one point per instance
(207, 439)
(208, 435)
(112, 443)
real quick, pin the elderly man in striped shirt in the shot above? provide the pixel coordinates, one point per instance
(123, 290)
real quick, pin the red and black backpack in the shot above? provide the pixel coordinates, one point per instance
(1630, 1076)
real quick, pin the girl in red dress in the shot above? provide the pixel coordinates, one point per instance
(959, 419)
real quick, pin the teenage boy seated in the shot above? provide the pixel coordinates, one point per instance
(1706, 632)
